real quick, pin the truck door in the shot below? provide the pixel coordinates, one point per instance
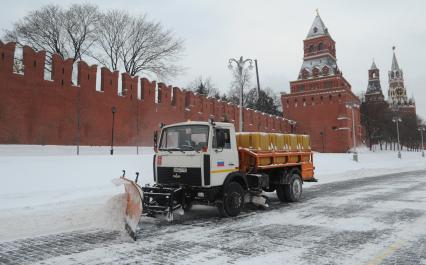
(224, 160)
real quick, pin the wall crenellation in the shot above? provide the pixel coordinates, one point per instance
(86, 76)
(59, 111)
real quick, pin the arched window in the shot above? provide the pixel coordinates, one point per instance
(315, 71)
(320, 46)
(325, 70)
(311, 48)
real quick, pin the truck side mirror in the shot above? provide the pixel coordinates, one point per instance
(155, 140)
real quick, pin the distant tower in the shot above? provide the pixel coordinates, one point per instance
(397, 94)
(374, 92)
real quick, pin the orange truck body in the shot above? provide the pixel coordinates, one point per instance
(264, 151)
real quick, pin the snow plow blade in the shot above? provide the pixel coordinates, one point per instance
(134, 200)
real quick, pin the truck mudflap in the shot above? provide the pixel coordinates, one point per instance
(134, 199)
(162, 200)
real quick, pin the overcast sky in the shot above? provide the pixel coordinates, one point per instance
(273, 31)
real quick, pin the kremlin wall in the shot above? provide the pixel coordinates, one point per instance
(59, 112)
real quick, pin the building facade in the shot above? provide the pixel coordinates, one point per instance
(320, 100)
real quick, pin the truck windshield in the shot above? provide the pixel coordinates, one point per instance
(184, 138)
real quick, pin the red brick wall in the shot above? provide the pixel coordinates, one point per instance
(38, 111)
(324, 110)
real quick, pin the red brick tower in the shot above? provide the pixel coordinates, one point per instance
(318, 99)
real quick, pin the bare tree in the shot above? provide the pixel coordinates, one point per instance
(204, 86)
(112, 33)
(137, 45)
(80, 22)
(239, 82)
(41, 29)
(149, 48)
(68, 33)
(134, 44)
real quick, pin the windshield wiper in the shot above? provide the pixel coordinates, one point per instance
(165, 149)
(174, 149)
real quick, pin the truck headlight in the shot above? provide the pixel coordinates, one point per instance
(200, 194)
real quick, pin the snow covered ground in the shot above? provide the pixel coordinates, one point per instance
(48, 189)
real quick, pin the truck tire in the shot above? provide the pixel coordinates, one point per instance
(232, 201)
(291, 192)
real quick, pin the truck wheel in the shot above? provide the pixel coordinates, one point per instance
(233, 200)
(291, 192)
(221, 210)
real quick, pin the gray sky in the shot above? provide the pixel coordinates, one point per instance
(273, 31)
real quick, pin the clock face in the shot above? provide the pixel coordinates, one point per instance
(399, 91)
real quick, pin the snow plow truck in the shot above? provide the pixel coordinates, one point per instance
(209, 163)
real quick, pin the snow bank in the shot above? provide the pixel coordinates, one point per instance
(29, 180)
(48, 190)
(340, 167)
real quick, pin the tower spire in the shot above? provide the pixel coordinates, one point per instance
(373, 65)
(395, 66)
(318, 27)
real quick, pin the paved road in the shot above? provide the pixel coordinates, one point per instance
(377, 220)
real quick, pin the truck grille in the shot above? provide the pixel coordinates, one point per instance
(191, 177)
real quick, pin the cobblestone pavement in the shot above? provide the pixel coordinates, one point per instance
(377, 220)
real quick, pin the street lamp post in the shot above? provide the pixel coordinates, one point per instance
(421, 130)
(240, 67)
(352, 106)
(397, 120)
(257, 79)
(322, 138)
(113, 110)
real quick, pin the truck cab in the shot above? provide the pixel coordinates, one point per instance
(199, 154)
